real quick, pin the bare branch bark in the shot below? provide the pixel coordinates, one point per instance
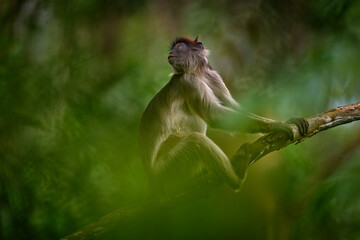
(250, 153)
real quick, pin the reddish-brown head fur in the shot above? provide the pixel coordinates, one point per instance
(186, 41)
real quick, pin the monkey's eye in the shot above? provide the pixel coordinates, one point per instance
(201, 45)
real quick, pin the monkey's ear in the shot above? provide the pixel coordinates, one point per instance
(196, 39)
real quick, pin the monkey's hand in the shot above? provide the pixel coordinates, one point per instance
(284, 127)
(300, 123)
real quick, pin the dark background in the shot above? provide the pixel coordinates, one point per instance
(75, 77)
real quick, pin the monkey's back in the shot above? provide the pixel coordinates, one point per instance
(167, 115)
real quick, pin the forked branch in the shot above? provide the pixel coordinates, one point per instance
(317, 123)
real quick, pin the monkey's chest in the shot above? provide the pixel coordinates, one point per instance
(183, 121)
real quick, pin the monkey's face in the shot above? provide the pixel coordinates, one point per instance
(187, 55)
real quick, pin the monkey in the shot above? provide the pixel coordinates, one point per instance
(174, 147)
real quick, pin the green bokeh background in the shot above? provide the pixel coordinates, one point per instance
(75, 77)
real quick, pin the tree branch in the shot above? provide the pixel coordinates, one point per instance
(249, 153)
(320, 122)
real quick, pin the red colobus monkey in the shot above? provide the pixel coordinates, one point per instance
(173, 141)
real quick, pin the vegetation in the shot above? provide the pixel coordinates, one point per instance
(75, 77)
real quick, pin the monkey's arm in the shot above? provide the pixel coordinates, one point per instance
(254, 123)
(201, 100)
(243, 121)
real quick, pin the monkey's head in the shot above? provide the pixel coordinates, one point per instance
(187, 55)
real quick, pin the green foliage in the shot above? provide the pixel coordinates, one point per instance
(75, 77)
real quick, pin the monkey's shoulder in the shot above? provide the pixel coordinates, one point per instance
(169, 93)
(162, 100)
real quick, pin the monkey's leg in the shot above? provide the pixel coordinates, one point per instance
(191, 154)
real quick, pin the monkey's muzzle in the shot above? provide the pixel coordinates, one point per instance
(171, 58)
